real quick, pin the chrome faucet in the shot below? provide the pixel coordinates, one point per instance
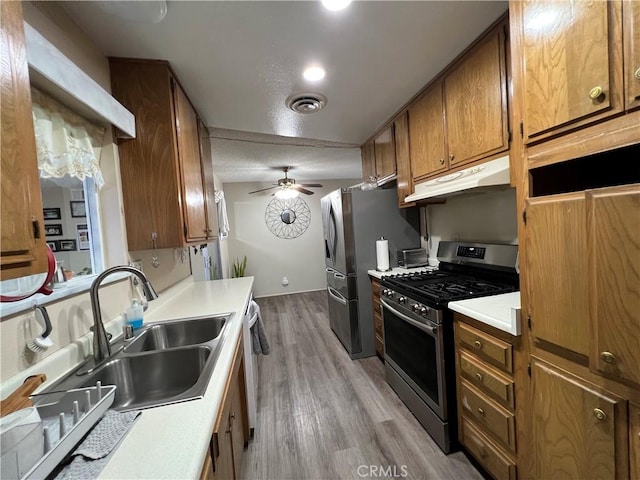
(101, 347)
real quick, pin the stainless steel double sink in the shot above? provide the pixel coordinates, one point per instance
(165, 363)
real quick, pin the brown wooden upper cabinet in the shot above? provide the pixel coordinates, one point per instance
(403, 160)
(207, 175)
(379, 157)
(23, 240)
(161, 169)
(463, 116)
(631, 15)
(572, 63)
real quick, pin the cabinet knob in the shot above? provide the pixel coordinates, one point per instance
(481, 412)
(483, 453)
(595, 93)
(451, 156)
(599, 414)
(637, 74)
(477, 344)
(479, 377)
(442, 161)
(608, 357)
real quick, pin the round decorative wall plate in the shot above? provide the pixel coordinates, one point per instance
(287, 218)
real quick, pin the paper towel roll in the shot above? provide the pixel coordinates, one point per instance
(382, 255)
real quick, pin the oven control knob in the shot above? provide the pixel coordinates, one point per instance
(416, 307)
(389, 293)
(424, 311)
(402, 300)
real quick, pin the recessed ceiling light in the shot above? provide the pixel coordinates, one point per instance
(335, 5)
(314, 74)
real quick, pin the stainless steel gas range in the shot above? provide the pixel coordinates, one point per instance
(418, 327)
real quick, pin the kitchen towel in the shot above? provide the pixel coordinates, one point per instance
(382, 255)
(259, 342)
(223, 220)
(96, 450)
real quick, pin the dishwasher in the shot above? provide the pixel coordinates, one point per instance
(251, 364)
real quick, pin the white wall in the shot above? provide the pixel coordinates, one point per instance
(270, 258)
(486, 217)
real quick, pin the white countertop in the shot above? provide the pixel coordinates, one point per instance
(170, 441)
(499, 311)
(398, 270)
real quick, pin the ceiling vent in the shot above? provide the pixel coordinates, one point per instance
(306, 102)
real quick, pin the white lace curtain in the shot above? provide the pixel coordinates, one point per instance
(65, 141)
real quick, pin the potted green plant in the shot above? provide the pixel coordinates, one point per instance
(239, 268)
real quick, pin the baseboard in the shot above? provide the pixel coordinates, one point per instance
(290, 293)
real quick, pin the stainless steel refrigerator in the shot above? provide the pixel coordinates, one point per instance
(352, 222)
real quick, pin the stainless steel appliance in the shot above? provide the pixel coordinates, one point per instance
(353, 220)
(418, 327)
(413, 257)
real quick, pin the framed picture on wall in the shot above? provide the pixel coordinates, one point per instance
(53, 230)
(67, 245)
(77, 194)
(51, 214)
(78, 209)
(83, 236)
(54, 245)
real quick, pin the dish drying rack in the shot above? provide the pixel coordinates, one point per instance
(66, 418)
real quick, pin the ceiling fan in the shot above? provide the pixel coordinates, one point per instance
(288, 188)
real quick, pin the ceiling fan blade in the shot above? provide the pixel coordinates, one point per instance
(309, 184)
(264, 189)
(302, 190)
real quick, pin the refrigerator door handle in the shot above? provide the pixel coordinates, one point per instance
(339, 275)
(336, 296)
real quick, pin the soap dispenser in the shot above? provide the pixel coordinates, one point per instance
(134, 314)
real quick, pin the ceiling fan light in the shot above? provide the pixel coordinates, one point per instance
(286, 193)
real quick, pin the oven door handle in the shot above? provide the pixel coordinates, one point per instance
(433, 331)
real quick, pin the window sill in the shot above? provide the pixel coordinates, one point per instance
(75, 286)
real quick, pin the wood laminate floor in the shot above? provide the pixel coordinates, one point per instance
(322, 415)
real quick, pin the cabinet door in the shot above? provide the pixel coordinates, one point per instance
(385, 153)
(223, 464)
(207, 175)
(368, 161)
(426, 134)
(22, 242)
(403, 165)
(237, 427)
(634, 437)
(189, 156)
(476, 103)
(570, 53)
(556, 278)
(578, 431)
(631, 46)
(613, 225)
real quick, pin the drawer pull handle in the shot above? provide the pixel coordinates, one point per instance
(637, 74)
(442, 161)
(451, 156)
(595, 93)
(608, 357)
(599, 414)
(483, 453)
(481, 412)
(477, 344)
(479, 377)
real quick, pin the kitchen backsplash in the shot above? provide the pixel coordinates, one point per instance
(486, 217)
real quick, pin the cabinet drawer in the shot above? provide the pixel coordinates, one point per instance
(375, 289)
(377, 323)
(488, 414)
(489, 455)
(486, 379)
(495, 351)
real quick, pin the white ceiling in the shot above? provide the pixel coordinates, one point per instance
(239, 60)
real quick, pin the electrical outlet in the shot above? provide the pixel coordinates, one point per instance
(285, 281)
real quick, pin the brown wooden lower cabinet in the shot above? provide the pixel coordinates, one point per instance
(377, 318)
(634, 436)
(579, 429)
(486, 398)
(231, 430)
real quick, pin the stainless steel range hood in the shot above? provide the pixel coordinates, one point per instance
(479, 177)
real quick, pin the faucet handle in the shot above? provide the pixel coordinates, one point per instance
(109, 335)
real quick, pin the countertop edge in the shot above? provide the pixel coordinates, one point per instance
(481, 309)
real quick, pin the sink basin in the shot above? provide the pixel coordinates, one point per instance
(165, 363)
(154, 379)
(177, 334)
